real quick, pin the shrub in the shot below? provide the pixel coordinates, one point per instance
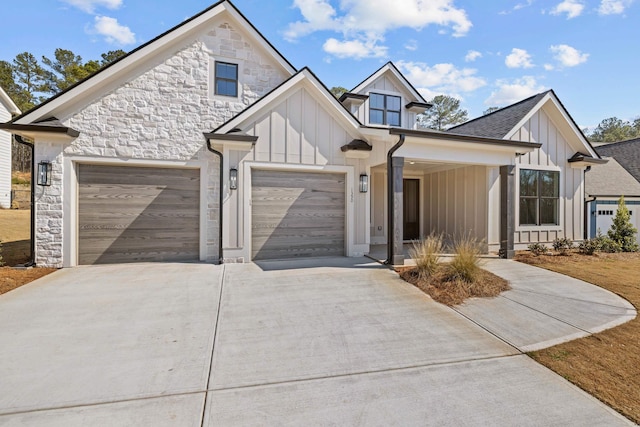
(562, 245)
(465, 265)
(538, 249)
(589, 246)
(426, 252)
(622, 231)
(609, 245)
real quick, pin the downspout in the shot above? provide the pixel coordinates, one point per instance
(219, 154)
(32, 261)
(390, 205)
(585, 208)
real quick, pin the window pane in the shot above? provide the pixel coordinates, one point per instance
(226, 88)
(376, 116)
(393, 103)
(528, 209)
(376, 101)
(549, 212)
(393, 119)
(226, 71)
(549, 184)
(528, 182)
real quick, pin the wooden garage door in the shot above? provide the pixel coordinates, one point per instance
(137, 214)
(297, 214)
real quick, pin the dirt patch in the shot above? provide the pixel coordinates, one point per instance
(454, 292)
(10, 278)
(607, 364)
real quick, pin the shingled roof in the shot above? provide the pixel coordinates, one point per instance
(500, 122)
(610, 179)
(627, 153)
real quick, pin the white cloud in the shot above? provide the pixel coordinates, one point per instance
(568, 56)
(517, 7)
(518, 58)
(90, 6)
(472, 55)
(441, 78)
(549, 67)
(510, 91)
(411, 45)
(113, 31)
(367, 21)
(572, 8)
(356, 49)
(613, 7)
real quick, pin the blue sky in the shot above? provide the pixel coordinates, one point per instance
(489, 53)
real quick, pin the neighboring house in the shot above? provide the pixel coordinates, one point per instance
(135, 154)
(604, 186)
(8, 109)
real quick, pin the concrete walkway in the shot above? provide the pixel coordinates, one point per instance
(324, 342)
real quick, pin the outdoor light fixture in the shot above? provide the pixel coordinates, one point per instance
(44, 174)
(364, 183)
(233, 179)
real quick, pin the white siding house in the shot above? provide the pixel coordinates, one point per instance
(7, 109)
(207, 144)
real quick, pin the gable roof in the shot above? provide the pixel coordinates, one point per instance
(8, 103)
(500, 122)
(303, 77)
(611, 179)
(389, 67)
(112, 72)
(627, 153)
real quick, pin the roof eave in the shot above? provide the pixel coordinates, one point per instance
(529, 146)
(34, 131)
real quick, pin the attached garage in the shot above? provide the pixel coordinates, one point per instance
(137, 214)
(297, 214)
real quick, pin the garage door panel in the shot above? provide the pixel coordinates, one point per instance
(296, 214)
(134, 214)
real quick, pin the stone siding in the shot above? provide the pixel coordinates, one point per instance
(159, 115)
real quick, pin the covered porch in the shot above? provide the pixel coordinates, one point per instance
(443, 184)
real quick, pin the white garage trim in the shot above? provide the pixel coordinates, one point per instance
(246, 168)
(70, 198)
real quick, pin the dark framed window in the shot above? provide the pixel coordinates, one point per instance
(539, 197)
(384, 109)
(226, 79)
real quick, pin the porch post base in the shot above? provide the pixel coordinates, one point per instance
(507, 211)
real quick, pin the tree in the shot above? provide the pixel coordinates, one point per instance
(8, 83)
(444, 113)
(490, 110)
(30, 78)
(622, 231)
(66, 69)
(338, 91)
(613, 129)
(111, 56)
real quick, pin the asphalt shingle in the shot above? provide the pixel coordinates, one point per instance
(627, 153)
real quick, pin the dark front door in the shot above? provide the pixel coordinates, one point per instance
(411, 209)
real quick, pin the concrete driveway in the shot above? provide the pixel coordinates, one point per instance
(326, 342)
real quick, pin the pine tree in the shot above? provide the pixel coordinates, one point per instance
(622, 231)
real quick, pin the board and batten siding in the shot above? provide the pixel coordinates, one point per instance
(297, 133)
(456, 202)
(5, 161)
(553, 155)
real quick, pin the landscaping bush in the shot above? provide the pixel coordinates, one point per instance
(426, 252)
(562, 245)
(609, 245)
(538, 249)
(465, 265)
(622, 231)
(589, 246)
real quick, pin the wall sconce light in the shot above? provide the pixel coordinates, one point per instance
(364, 183)
(233, 179)
(44, 174)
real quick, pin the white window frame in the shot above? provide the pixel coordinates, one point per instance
(212, 79)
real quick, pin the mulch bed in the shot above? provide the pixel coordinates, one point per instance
(11, 278)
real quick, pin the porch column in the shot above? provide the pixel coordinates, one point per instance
(396, 216)
(507, 211)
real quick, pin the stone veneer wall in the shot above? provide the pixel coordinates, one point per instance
(159, 115)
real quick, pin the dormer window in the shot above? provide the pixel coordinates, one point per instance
(226, 79)
(384, 109)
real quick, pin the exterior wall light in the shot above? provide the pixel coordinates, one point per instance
(233, 179)
(44, 174)
(364, 183)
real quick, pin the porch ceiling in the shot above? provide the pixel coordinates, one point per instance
(421, 166)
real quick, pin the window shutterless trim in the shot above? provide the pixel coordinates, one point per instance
(539, 198)
(225, 79)
(385, 110)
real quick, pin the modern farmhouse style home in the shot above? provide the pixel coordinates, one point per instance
(207, 144)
